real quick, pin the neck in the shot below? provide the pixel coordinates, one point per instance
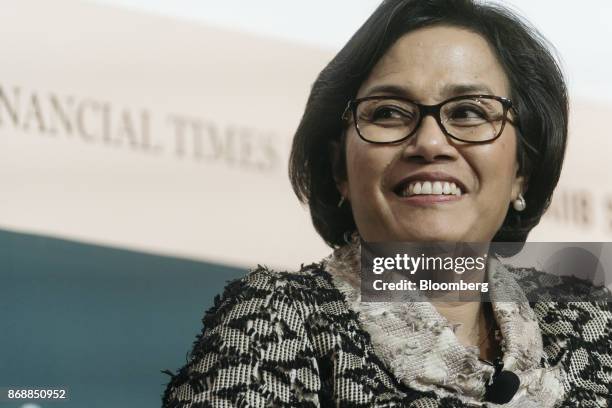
(475, 324)
(468, 315)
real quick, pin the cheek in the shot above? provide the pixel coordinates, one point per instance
(496, 168)
(366, 164)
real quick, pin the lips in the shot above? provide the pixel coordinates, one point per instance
(430, 184)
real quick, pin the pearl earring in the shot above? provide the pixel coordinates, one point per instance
(519, 204)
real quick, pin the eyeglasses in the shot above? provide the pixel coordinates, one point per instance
(467, 118)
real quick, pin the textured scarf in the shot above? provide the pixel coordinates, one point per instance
(419, 346)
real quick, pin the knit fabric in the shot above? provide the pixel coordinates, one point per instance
(421, 350)
(304, 339)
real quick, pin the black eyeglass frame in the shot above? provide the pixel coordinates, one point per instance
(425, 110)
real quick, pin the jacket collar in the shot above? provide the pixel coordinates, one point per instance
(418, 344)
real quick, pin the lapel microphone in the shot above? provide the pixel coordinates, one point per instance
(503, 386)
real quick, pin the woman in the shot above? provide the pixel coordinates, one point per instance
(440, 120)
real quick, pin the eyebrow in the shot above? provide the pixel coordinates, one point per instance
(449, 90)
(460, 89)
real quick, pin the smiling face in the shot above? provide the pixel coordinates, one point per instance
(430, 65)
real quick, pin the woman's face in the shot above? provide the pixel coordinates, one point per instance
(428, 66)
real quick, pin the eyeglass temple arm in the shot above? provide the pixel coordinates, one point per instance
(345, 113)
(520, 133)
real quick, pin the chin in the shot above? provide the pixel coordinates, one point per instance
(434, 238)
(432, 233)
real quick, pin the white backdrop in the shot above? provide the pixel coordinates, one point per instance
(129, 129)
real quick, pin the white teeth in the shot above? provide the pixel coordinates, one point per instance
(427, 187)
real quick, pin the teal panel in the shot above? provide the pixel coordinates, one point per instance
(102, 322)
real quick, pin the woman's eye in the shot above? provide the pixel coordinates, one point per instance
(389, 113)
(468, 113)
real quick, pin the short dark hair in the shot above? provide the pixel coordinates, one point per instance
(537, 89)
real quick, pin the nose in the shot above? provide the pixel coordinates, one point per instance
(429, 144)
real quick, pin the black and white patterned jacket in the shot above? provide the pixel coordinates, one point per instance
(300, 339)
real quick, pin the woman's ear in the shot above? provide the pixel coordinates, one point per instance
(338, 168)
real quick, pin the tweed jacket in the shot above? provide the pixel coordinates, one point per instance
(304, 339)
